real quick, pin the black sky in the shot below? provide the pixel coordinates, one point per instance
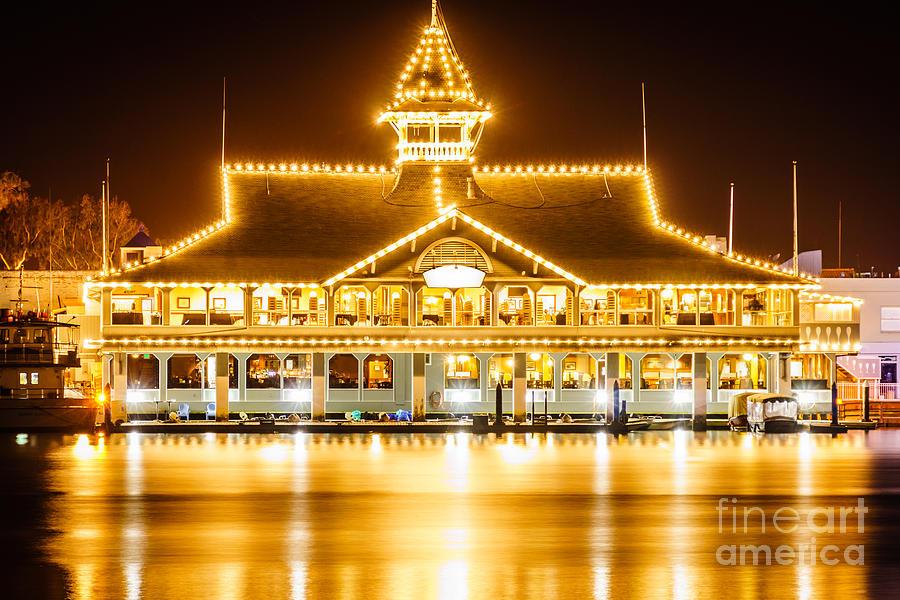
(734, 92)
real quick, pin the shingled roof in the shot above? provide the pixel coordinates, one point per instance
(306, 227)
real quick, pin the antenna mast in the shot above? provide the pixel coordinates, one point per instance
(644, 120)
(840, 215)
(731, 221)
(796, 253)
(103, 202)
(223, 123)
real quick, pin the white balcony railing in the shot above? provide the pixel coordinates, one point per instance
(432, 151)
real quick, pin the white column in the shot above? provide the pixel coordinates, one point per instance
(699, 385)
(784, 373)
(120, 376)
(418, 386)
(714, 358)
(519, 407)
(612, 374)
(557, 374)
(319, 385)
(636, 358)
(221, 386)
(484, 377)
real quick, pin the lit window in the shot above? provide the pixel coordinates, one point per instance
(298, 372)
(743, 372)
(539, 371)
(378, 372)
(343, 372)
(23, 378)
(263, 371)
(579, 372)
(34, 379)
(500, 370)
(461, 372)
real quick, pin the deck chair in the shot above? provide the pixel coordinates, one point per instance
(184, 411)
(211, 411)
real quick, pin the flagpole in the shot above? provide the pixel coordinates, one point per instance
(731, 220)
(796, 253)
(644, 120)
(223, 123)
(103, 202)
(840, 215)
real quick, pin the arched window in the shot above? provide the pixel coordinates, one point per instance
(343, 372)
(461, 372)
(453, 251)
(378, 372)
(263, 371)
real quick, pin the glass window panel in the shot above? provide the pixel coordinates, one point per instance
(263, 371)
(378, 372)
(184, 372)
(579, 372)
(500, 370)
(143, 372)
(343, 372)
(461, 372)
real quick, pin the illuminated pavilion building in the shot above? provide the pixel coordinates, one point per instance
(423, 285)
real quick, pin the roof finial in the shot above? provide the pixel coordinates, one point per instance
(434, 18)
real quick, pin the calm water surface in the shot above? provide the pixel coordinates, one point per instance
(431, 516)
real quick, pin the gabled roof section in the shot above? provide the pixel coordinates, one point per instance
(320, 223)
(140, 240)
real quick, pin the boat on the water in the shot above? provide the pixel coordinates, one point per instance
(772, 413)
(35, 353)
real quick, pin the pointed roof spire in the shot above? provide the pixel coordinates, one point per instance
(434, 72)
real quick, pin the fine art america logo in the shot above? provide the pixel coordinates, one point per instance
(736, 519)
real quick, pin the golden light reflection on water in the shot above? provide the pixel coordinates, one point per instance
(431, 516)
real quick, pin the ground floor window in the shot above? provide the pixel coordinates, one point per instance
(378, 372)
(538, 371)
(461, 372)
(297, 372)
(143, 372)
(185, 372)
(813, 370)
(210, 375)
(343, 372)
(500, 370)
(663, 372)
(263, 371)
(579, 372)
(745, 371)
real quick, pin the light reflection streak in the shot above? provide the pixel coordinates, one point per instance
(453, 580)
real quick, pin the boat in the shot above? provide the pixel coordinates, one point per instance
(772, 413)
(35, 355)
(737, 411)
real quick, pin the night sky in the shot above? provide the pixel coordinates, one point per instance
(731, 96)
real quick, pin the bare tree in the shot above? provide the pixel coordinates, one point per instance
(32, 229)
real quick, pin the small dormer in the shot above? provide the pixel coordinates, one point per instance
(435, 112)
(138, 249)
